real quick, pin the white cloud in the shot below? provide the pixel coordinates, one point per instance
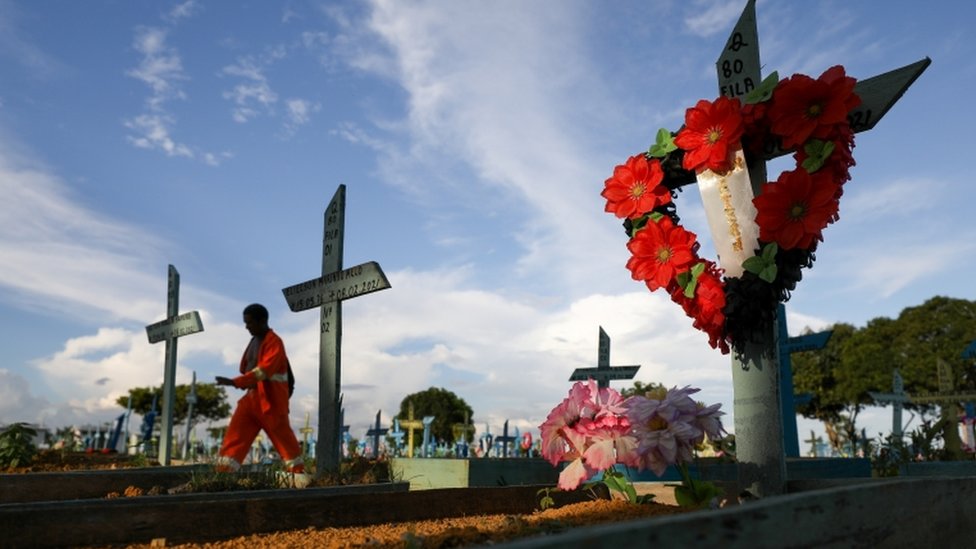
(52, 246)
(718, 17)
(183, 10)
(161, 67)
(507, 113)
(153, 132)
(17, 403)
(255, 92)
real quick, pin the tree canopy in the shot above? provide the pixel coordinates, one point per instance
(211, 401)
(640, 388)
(446, 407)
(858, 360)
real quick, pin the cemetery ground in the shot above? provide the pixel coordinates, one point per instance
(426, 518)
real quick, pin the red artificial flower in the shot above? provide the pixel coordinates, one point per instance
(711, 135)
(707, 305)
(803, 107)
(755, 125)
(635, 188)
(794, 211)
(660, 251)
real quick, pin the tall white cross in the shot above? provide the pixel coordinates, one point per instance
(176, 325)
(327, 293)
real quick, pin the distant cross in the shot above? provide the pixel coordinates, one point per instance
(411, 425)
(191, 400)
(176, 325)
(787, 346)
(757, 404)
(948, 398)
(504, 439)
(604, 372)
(897, 397)
(427, 421)
(813, 441)
(306, 431)
(376, 432)
(462, 430)
(397, 435)
(327, 293)
(486, 439)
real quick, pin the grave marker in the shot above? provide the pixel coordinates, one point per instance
(461, 430)
(397, 435)
(604, 372)
(897, 397)
(175, 326)
(504, 439)
(411, 425)
(376, 432)
(191, 400)
(757, 404)
(327, 293)
(948, 399)
(306, 430)
(787, 346)
(427, 421)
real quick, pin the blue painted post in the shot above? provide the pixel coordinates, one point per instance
(788, 345)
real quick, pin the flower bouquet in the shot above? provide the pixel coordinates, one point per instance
(596, 428)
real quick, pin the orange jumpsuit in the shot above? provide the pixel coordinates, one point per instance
(263, 406)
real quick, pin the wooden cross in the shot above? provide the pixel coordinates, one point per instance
(175, 326)
(755, 373)
(427, 421)
(327, 293)
(504, 439)
(306, 431)
(897, 397)
(787, 346)
(604, 372)
(397, 435)
(376, 432)
(191, 400)
(814, 442)
(411, 425)
(462, 430)
(948, 398)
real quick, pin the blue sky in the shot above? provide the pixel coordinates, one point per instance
(473, 138)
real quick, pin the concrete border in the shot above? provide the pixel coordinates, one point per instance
(217, 516)
(906, 513)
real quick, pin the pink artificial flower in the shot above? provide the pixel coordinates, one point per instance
(590, 429)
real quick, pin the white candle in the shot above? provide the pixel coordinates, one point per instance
(731, 215)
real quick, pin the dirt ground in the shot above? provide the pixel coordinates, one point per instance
(55, 460)
(453, 532)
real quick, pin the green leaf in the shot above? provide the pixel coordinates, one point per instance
(817, 153)
(689, 279)
(663, 145)
(763, 265)
(765, 90)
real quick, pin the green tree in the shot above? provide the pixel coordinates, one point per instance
(211, 402)
(820, 373)
(856, 361)
(446, 407)
(641, 388)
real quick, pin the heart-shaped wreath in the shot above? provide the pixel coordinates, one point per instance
(800, 114)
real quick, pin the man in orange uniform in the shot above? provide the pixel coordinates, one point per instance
(264, 374)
